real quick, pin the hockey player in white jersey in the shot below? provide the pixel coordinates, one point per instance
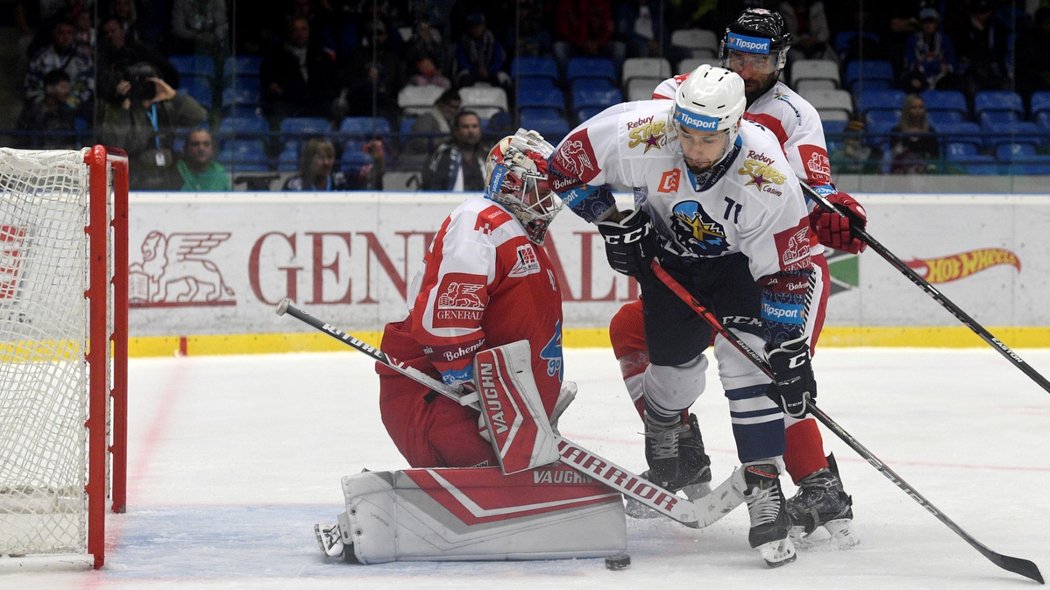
(724, 214)
(755, 46)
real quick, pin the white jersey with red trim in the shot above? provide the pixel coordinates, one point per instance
(750, 202)
(484, 284)
(791, 118)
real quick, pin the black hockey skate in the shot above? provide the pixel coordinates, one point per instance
(770, 523)
(330, 540)
(822, 502)
(676, 454)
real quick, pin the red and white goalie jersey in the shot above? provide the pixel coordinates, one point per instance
(484, 284)
(750, 202)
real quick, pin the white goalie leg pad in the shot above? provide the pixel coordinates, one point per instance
(463, 514)
(518, 426)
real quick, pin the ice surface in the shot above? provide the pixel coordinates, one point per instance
(233, 459)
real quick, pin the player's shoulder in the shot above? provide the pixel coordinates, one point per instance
(485, 220)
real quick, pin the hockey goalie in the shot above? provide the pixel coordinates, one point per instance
(485, 319)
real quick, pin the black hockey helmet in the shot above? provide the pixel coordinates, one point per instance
(757, 30)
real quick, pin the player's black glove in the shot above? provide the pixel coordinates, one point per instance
(630, 244)
(793, 384)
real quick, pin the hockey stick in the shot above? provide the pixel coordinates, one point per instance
(937, 296)
(697, 513)
(1013, 564)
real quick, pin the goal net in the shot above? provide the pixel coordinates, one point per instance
(63, 348)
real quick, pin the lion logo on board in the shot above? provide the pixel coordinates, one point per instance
(174, 271)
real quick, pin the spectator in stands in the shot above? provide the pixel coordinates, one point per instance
(199, 27)
(532, 36)
(426, 73)
(299, 78)
(640, 26)
(808, 25)
(374, 74)
(929, 55)
(125, 13)
(117, 54)
(584, 28)
(63, 54)
(914, 143)
(198, 168)
(437, 122)
(426, 42)
(479, 56)
(1033, 69)
(458, 163)
(368, 173)
(84, 30)
(317, 169)
(981, 45)
(49, 121)
(143, 124)
(856, 156)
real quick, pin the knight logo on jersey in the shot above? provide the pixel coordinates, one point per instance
(526, 262)
(698, 231)
(793, 246)
(574, 163)
(461, 300)
(818, 166)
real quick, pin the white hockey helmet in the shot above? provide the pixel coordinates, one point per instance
(516, 177)
(710, 99)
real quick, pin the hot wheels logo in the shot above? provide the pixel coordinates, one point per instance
(958, 266)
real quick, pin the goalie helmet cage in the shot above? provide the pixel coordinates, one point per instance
(63, 349)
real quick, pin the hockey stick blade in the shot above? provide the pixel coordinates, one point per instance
(692, 513)
(1016, 565)
(935, 294)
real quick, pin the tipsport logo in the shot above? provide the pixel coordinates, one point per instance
(747, 44)
(698, 122)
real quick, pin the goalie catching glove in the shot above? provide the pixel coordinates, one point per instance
(630, 244)
(834, 228)
(793, 384)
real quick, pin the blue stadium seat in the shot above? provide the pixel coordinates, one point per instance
(584, 96)
(998, 100)
(1009, 151)
(241, 65)
(234, 98)
(542, 98)
(296, 130)
(253, 125)
(1040, 103)
(199, 87)
(939, 117)
(288, 159)
(534, 67)
(946, 100)
(990, 119)
(843, 40)
(352, 160)
(882, 99)
(868, 73)
(587, 112)
(193, 64)
(878, 134)
(553, 129)
(364, 128)
(1014, 132)
(833, 134)
(882, 118)
(248, 155)
(591, 67)
(966, 132)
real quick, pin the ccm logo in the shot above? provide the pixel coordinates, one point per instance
(630, 237)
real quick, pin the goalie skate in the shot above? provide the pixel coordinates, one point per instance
(770, 523)
(821, 502)
(329, 539)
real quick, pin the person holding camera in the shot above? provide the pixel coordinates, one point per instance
(143, 124)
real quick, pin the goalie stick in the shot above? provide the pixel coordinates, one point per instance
(1016, 565)
(697, 513)
(932, 291)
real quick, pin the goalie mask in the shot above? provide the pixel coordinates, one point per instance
(516, 177)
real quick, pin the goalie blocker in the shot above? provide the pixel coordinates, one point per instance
(450, 514)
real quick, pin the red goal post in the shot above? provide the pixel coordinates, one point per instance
(63, 349)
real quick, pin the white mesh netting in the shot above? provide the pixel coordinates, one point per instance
(43, 335)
